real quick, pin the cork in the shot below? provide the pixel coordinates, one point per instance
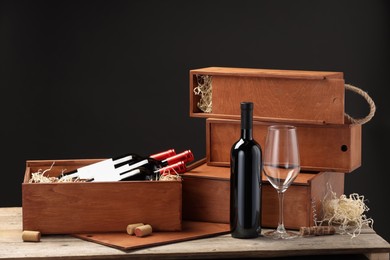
(130, 228)
(142, 231)
(317, 231)
(31, 236)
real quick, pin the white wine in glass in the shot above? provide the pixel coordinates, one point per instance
(281, 167)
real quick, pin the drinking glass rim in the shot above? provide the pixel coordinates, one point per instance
(286, 127)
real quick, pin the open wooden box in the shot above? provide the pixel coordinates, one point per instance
(314, 97)
(66, 208)
(206, 196)
(335, 147)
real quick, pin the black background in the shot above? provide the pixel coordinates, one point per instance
(95, 79)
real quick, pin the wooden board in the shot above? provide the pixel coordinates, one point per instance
(315, 97)
(222, 246)
(190, 230)
(334, 147)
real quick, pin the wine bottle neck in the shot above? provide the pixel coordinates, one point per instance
(185, 156)
(247, 134)
(179, 167)
(246, 120)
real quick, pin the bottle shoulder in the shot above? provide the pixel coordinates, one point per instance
(245, 143)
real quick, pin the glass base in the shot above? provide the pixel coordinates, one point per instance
(275, 234)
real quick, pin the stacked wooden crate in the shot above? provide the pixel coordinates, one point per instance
(313, 101)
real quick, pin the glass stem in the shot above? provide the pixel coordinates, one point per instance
(281, 228)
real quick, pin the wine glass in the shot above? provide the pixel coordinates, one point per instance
(281, 166)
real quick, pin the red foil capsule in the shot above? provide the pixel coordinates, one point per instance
(163, 155)
(179, 167)
(186, 156)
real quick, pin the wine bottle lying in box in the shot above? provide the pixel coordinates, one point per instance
(112, 169)
(145, 173)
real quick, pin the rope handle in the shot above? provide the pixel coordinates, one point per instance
(369, 101)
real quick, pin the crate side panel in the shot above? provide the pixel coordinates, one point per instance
(206, 199)
(63, 208)
(295, 207)
(320, 100)
(356, 145)
(322, 148)
(289, 96)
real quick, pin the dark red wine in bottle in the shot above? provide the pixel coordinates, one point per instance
(143, 173)
(114, 166)
(245, 180)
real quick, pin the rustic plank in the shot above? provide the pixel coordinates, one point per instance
(269, 73)
(224, 246)
(206, 192)
(191, 230)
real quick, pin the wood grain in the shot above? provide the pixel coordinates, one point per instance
(322, 147)
(279, 95)
(64, 208)
(190, 230)
(206, 196)
(223, 246)
(269, 73)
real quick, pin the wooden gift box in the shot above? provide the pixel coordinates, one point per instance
(206, 196)
(66, 208)
(335, 147)
(315, 97)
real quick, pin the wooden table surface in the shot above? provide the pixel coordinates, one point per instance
(368, 243)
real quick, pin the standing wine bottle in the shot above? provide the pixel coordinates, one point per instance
(114, 166)
(245, 180)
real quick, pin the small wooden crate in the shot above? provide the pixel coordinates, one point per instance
(315, 97)
(335, 147)
(206, 196)
(66, 208)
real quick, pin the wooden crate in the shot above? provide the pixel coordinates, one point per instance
(206, 196)
(335, 147)
(279, 95)
(66, 208)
